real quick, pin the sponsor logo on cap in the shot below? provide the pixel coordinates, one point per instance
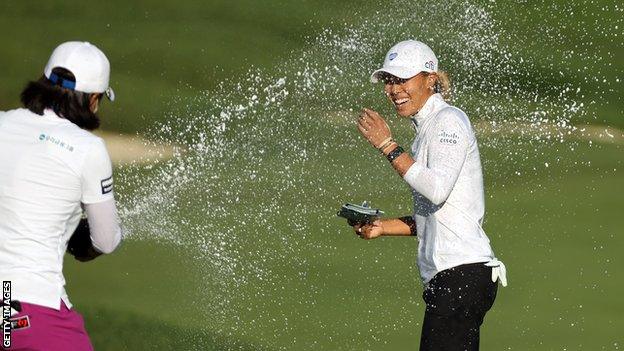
(392, 56)
(430, 65)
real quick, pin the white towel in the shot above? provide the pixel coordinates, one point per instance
(498, 271)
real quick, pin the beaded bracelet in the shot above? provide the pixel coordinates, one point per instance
(385, 143)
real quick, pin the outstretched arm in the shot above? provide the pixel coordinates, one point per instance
(104, 228)
(403, 226)
(100, 232)
(97, 234)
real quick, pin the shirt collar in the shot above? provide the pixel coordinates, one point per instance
(433, 104)
(48, 112)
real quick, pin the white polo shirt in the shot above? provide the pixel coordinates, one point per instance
(48, 167)
(447, 186)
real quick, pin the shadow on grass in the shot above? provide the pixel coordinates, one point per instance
(122, 330)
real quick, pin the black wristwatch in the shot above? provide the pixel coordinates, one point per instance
(395, 153)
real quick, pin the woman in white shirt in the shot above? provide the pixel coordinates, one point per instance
(456, 263)
(52, 169)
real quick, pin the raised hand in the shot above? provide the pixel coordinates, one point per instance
(373, 127)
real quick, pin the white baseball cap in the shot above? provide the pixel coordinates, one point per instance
(87, 63)
(406, 59)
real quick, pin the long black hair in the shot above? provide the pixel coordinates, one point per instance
(66, 103)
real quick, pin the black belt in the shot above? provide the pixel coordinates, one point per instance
(16, 305)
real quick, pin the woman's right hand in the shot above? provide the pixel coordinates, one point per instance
(369, 231)
(373, 127)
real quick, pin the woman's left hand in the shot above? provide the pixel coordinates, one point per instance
(373, 127)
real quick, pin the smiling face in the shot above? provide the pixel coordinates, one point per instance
(409, 95)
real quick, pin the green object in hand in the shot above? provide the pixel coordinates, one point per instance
(356, 214)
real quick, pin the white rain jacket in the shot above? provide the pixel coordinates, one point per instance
(447, 186)
(49, 169)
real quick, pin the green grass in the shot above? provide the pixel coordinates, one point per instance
(159, 49)
(556, 229)
(162, 50)
(579, 38)
(560, 243)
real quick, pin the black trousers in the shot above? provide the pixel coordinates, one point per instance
(457, 300)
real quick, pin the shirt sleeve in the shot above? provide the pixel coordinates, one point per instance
(448, 144)
(97, 175)
(106, 233)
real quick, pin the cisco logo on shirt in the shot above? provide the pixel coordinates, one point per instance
(448, 138)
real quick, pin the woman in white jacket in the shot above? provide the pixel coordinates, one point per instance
(456, 263)
(53, 169)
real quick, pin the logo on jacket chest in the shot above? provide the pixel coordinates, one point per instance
(448, 138)
(56, 141)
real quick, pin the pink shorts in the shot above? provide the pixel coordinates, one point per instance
(43, 328)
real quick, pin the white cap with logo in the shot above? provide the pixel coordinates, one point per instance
(87, 63)
(406, 59)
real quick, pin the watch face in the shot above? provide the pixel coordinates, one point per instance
(395, 153)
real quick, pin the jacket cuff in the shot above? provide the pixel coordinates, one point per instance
(412, 174)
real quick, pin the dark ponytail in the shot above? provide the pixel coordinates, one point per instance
(66, 103)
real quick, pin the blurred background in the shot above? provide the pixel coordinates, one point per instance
(235, 145)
